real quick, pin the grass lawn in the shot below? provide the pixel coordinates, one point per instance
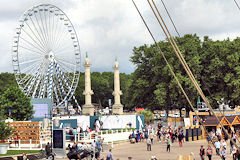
(17, 152)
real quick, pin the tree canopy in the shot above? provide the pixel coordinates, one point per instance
(215, 65)
(15, 104)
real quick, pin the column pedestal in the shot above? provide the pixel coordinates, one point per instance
(88, 110)
(117, 109)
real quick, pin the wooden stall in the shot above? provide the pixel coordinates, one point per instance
(234, 122)
(26, 131)
(211, 123)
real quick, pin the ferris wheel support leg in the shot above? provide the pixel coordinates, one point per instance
(55, 90)
(65, 81)
(59, 80)
(50, 88)
(45, 82)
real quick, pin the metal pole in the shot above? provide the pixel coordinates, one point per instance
(51, 129)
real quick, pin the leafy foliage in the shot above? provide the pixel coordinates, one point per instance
(215, 65)
(148, 115)
(14, 100)
(5, 130)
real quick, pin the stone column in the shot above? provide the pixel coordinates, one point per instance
(117, 108)
(88, 108)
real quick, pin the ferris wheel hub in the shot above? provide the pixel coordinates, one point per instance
(49, 56)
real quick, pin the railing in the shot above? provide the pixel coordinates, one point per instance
(110, 136)
(25, 144)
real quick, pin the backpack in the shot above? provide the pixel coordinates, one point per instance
(108, 158)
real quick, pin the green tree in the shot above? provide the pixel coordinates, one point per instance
(153, 85)
(5, 129)
(15, 100)
(148, 115)
(7, 80)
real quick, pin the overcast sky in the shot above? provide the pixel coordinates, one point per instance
(111, 28)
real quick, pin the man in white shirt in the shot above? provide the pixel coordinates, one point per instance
(217, 145)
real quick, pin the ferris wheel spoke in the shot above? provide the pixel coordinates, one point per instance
(29, 61)
(63, 48)
(47, 30)
(41, 29)
(31, 37)
(43, 26)
(60, 39)
(28, 82)
(67, 68)
(32, 45)
(40, 44)
(30, 49)
(64, 61)
(56, 28)
(64, 54)
(37, 30)
(60, 33)
(33, 81)
(51, 23)
(37, 84)
(29, 67)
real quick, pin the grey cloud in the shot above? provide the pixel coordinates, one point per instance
(107, 29)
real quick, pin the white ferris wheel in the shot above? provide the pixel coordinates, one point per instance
(46, 54)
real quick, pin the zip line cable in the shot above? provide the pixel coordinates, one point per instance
(237, 4)
(204, 83)
(179, 36)
(172, 71)
(185, 65)
(170, 18)
(174, 74)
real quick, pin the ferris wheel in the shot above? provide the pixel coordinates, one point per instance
(46, 54)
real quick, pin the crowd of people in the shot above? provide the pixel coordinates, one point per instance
(169, 135)
(220, 142)
(83, 149)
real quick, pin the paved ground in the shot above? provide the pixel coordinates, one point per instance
(139, 151)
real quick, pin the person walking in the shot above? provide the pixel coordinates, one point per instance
(234, 153)
(159, 135)
(149, 143)
(110, 155)
(217, 145)
(151, 136)
(202, 153)
(223, 153)
(180, 138)
(48, 150)
(209, 152)
(168, 143)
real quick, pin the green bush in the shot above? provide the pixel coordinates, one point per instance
(148, 115)
(5, 130)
